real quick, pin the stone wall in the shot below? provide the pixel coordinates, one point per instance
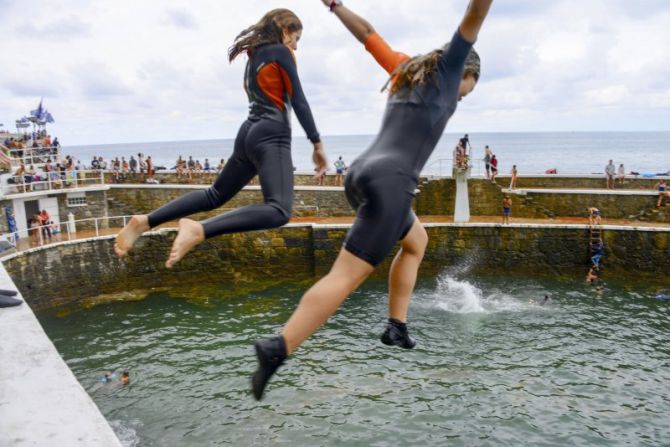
(595, 182)
(170, 178)
(437, 198)
(322, 203)
(73, 272)
(545, 181)
(96, 206)
(69, 272)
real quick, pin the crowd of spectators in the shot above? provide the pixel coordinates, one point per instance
(189, 168)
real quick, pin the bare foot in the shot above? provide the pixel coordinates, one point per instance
(191, 233)
(133, 230)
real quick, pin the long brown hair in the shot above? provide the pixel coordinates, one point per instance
(419, 69)
(270, 29)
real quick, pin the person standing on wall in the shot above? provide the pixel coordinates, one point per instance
(610, 170)
(487, 161)
(494, 168)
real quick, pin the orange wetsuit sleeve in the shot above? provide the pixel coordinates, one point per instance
(383, 53)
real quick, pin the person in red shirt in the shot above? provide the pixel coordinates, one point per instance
(45, 222)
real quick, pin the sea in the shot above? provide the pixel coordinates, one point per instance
(569, 153)
(494, 365)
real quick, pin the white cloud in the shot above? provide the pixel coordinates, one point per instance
(140, 71)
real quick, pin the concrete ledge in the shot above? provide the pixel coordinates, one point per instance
(42, 193)
(205, 186)
(41, 402)
(604, 192)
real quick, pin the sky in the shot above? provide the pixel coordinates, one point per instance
(148, 70)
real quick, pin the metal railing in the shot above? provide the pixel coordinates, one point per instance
(53, 180)
(38, 234)
(32, 155)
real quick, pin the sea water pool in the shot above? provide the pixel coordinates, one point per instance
(493, 366)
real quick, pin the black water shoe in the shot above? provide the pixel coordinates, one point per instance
(271, 354)
(8, 301)
(8, 292)
(396, 334)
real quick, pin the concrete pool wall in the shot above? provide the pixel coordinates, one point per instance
(70, 272)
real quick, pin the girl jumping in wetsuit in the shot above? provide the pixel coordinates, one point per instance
(262, 146)
(424, 92)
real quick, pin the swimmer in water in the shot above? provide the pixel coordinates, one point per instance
(125, 378)
(424, 92)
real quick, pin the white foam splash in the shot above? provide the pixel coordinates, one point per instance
(463, 297)
(458, 296)
(126, 434)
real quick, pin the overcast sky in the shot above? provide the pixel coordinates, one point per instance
(149, 70)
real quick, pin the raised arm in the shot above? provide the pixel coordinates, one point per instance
(473, 19)
(385, 56)
(357, 25)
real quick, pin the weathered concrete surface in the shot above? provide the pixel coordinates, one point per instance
(41, 402)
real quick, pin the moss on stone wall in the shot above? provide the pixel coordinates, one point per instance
(67, 273)
(437, 198)
(322, 203)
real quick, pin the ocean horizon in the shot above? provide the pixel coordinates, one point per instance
(532, 152)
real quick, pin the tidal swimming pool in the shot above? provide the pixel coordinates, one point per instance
(493, 366)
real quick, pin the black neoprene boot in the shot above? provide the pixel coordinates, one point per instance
(396, 334)
(271, 354)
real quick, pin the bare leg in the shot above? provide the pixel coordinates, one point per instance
(324, 297)
(191, 233)
(128, 235)
(404, 269)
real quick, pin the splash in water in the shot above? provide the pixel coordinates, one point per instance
(462, 296)
(457, 296)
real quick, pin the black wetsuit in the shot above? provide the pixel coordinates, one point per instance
(262, 146)
(381, 182)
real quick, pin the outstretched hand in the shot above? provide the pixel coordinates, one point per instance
(326, 2)
(319, 159)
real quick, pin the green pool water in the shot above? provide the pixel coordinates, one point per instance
(492, 367)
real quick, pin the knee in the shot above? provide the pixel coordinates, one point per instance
(416, 246)
(214, 198)
(281, 216)
(422, 242)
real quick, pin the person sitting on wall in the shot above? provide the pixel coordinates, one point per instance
(594, 216)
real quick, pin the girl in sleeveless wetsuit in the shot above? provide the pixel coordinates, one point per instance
(381, 183)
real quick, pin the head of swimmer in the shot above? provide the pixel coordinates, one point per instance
(470, 74)
(277, 26)
(422, 68)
